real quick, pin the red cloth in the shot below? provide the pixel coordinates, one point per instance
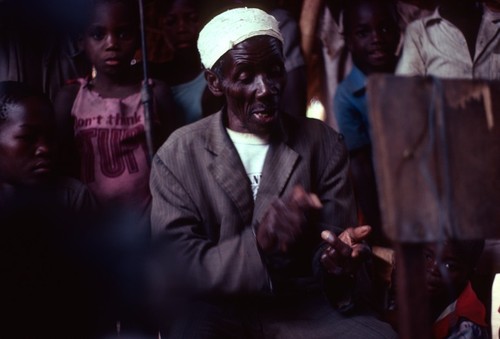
(468, 306)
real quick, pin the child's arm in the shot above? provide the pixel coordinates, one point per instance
(63, 103)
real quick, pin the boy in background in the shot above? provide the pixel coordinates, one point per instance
(372, 35)
(27, 150)
(455, 308)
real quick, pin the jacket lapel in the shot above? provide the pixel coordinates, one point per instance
(278, 167)
(227, 169)
(490, 28)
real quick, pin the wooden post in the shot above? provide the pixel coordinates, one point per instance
(436, 153)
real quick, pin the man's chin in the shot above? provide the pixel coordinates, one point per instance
(263, 125)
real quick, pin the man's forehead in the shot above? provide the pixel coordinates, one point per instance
(259, 47)
(232, 27)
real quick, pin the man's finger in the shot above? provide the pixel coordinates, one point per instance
(354, 235)
(360, 233)
(340, 246)
(360, 250)
(327, 236)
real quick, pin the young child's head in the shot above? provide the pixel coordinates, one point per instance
(182, 24)
(449, 267)
(26, 128)
(111, 35)
(372, 34)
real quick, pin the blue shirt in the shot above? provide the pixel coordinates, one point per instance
(188, 98)
(351, 110)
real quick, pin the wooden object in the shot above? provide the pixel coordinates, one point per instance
(436, 146)
(436, 153)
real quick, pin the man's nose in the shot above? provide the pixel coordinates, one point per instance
(264, 86)
(111, 41)
(434, 266)
(42, 147)
(182, 23)
(377, 36)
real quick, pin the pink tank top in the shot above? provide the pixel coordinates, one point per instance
(111, 142)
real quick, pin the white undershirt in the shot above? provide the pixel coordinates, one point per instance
(252, 150)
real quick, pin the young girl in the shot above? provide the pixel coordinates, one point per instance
(103, 117)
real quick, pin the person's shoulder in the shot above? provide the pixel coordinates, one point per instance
(189, 136)
(354, 82)
(343, 87)
(160, 86)
(74, 194)
(66, 96)
(69, 90)
(418, 26)
(70, 184)
(71, 187)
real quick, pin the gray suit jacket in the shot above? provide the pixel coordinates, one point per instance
(203, 205)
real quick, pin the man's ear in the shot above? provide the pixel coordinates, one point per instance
(213, 82)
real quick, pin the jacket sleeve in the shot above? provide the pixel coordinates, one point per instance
(338, 213)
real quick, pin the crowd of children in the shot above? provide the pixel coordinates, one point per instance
(83, 145)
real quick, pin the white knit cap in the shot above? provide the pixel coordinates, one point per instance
(230, 28)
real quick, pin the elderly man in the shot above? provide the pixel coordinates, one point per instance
(249, 202)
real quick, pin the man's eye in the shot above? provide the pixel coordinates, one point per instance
(451, 266)
(125, 34)
(26, 137)
(170, 20)
(244, 76)
(97, 34)
(363, 33)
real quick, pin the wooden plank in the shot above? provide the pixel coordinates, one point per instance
(436, 146)
(412, 300)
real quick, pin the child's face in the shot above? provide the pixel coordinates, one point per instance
(111, 38)
(25, 145)
(373, 38)
(182, 25)
(447, 277)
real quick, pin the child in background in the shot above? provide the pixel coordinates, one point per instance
(455, 309)
(184, 72)
(104, 117)
(372, 36)
(27, 150)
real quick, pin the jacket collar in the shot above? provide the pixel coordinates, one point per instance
(435, 17)
(228, 171)
(227, 168)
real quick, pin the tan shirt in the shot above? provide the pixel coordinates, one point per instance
(434, 46)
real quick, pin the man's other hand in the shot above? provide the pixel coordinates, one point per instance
(282, 224)
(346, 251)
